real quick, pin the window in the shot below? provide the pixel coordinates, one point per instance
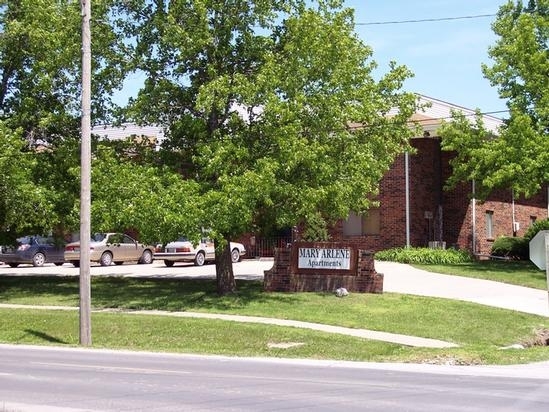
(353, 225)
(532, 220)
(489, 224)
(358, 225)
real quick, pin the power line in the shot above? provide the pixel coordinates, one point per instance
(477, 16)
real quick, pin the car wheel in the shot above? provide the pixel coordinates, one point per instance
(199, 259)
(106, 259)
(146, 257)
(58, 263)
(38, 259)
(76, 263)
(235, 255)
(169, 263)
(13, 265)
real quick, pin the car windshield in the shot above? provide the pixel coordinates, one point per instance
(182, 239)
(98, 237)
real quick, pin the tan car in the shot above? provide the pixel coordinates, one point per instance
(107, 248)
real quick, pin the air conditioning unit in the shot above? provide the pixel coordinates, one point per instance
(437, 245)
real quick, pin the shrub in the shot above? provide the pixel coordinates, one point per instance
(424, 255)
(535, 228)
(511, 247)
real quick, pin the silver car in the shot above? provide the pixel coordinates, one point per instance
(107, 248)
(183, 250)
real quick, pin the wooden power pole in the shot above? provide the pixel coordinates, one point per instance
(85, 176)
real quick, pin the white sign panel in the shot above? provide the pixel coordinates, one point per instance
(317, 258)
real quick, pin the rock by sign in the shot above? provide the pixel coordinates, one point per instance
(324, 258)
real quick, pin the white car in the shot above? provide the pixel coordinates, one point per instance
(183, 250)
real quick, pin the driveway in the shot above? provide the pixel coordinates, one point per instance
(402, 278)
(247, 269)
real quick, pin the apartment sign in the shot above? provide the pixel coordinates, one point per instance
(324, 258)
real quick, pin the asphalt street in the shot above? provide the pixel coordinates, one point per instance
(51, 379)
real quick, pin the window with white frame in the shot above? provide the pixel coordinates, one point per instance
(490, 224)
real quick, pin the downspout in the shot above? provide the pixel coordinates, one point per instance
(474, 218)
(407, 196)
(513, 211)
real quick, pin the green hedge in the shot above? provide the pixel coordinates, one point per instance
(511, 247)
(424, 256)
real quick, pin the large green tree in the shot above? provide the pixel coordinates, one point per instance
(519, 156)
(130, 194)
(23, 206)
(271, 107)
(40, 88)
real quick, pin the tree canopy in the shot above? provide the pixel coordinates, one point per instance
(40, 88)
(271, 107)
(272, 114)
(518, 157)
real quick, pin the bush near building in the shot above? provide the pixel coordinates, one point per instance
(423, 255)
(518, 248)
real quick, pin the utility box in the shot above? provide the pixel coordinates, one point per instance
(538, 249)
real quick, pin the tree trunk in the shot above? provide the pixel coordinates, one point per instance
(224, 270)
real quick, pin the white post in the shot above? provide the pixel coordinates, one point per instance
(547, 263)
(474, 219)
(407, 196)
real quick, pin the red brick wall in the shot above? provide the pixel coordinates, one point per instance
(501, 204)
(451, 211)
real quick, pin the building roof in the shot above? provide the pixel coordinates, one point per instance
(429, 118)
(437, 111)
(125, 130)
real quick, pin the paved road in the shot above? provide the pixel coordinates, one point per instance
(42, 379)
(247, 269)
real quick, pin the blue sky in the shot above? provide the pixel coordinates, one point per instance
(445, 56)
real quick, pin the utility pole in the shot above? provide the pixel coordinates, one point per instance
(85, 180)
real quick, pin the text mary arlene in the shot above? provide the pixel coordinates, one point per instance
(320, 258)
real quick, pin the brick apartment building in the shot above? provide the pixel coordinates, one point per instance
(415, 210)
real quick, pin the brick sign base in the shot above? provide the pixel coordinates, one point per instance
(286, 276)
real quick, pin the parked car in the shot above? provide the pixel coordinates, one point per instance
(33, 249)
(183, 250)
(107, 248)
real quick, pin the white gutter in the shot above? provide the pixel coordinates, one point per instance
(474, 219)
(407, 196)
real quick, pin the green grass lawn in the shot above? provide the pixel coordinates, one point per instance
(479, 330)
(515, 272)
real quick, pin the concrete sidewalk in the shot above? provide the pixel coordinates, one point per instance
(402, 278)
(360, 333)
